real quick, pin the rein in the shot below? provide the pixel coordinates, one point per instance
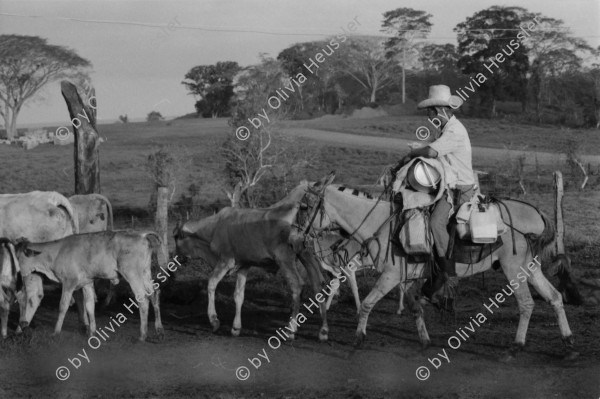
(375, 237)
(338, 246)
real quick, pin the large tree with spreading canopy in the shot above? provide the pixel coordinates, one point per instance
(28, 63)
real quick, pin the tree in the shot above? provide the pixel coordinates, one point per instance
(260, 170)
(253, 86)
(266, 161)
(154, 116)
(322, 90)
(212, 86)
(553, 52)
(406, 25)
(123, 118)
(365, 60)
(247, 162)
(27, 63)
(484, 35)
(438, 57)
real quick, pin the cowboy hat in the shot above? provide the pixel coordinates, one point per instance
(439, 96)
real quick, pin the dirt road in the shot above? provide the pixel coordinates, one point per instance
(480, 154)
(193, 362)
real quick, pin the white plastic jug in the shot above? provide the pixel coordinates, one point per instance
(483, 226)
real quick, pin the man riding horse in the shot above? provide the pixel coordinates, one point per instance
(453, 149)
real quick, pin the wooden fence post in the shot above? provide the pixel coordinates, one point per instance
(161, 222)
(87, 140)
(558, 213)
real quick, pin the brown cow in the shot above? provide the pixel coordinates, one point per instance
(241, 238)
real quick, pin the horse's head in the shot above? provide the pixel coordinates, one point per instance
(312, 213)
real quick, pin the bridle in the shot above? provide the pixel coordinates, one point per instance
(319, 208)
(340, 244)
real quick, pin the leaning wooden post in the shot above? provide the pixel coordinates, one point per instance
(558, 213)
(83, 120)
(161, 221)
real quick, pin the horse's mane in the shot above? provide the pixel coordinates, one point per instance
(353, 191)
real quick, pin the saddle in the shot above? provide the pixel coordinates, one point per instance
(466, 251)
(460, 250)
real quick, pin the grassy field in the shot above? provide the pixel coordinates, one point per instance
(125, 182)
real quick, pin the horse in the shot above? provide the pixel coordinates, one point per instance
(532, 234)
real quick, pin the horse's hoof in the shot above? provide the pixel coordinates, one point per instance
(572, 355)
(235, 331)
(512, 352)
(323, 335)
(360, 339)
(215, 323)
(291, 336)
(425, 345)
(399, 312)
(160, 334)
(83, 330)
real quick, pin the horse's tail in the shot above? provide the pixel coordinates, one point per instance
(542, 244)
(561, 267)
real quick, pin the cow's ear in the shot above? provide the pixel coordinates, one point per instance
(30, 252)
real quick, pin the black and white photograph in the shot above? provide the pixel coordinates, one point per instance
(256, 199)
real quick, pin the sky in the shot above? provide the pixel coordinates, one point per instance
(141, 50)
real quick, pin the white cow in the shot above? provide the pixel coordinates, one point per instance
(38, 216)
(94, 212)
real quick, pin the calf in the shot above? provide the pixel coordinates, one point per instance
(75, 261)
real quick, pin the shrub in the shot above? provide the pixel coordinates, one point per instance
(154, 116)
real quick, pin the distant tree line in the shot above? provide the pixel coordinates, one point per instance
(554, 76)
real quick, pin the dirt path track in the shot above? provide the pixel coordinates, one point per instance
(401, 145)
(193, 362)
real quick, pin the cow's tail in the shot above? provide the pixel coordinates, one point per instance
(154, 234)
(155, 243)
(61, 202)
(155, 246)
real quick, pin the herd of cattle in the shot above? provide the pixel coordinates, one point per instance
(72, 242)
